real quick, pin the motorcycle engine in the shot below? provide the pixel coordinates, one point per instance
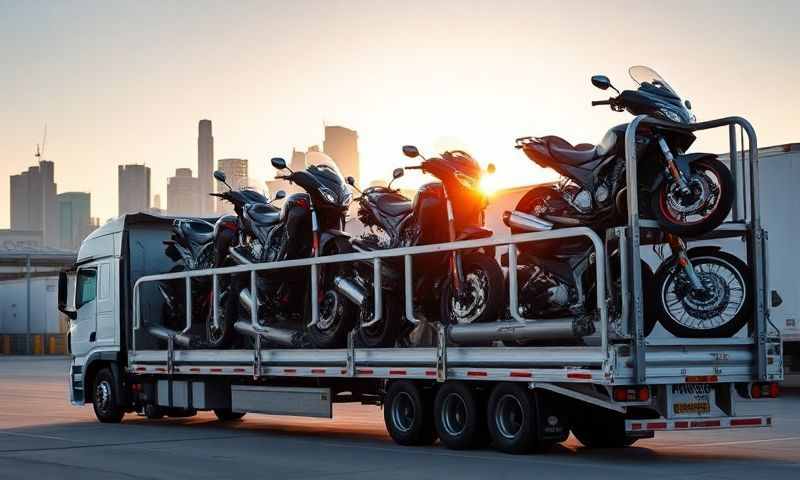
(580, 200)
(543, 293)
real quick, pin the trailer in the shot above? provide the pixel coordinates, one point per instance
(611, 389)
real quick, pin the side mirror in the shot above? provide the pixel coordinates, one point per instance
(397, 173)
(220, 176)
(280, 194)
(350, 180)
(410, 151)
(601, 81)
(688, 104)
(66, 294)
(490, 169)
(278, 163)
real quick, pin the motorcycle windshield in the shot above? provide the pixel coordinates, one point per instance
(644, 76)
(253, 196)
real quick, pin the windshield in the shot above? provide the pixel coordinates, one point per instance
(641, 75)
(323, 162)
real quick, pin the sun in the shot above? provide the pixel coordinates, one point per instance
(489, 184)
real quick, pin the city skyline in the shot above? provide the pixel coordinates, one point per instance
(503, 70)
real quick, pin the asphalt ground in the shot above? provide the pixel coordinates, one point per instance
(42, 436)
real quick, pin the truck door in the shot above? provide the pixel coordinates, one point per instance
(84, 328)
(106, 319)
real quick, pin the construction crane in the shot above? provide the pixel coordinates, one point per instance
(39, 153)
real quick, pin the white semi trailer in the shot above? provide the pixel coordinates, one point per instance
(611, 389)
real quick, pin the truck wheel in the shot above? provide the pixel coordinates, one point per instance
(601, 428)
(154, 412)
(105, 398)
(228, 415)
(408, 414)
(460, 418)
(512, 419)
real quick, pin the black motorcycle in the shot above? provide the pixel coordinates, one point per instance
(309, 224)
(196, 244)
(458, 287)
(689, 194)
(700, 292)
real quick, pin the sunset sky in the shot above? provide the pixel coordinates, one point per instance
(126, 82)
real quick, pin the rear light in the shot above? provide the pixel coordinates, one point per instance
(632, 394)
(764, 390)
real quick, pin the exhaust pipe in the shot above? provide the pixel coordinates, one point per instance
(545, 329)
(281, 336)
(165, 333)
(350, 289)
(525, 221)
(238, 257)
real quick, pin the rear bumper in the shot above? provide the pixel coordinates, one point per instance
(701, 423)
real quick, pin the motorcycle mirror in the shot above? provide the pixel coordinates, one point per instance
(601, 81)
(410, 151)
(278, 163)
(219, 175)
(490, 169)
(397, 173)
(350, 180)
(688, 104)
(279, 195)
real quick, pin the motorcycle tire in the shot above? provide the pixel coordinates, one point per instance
(738, 271)
(385, 332)
(337, 314)
(666, 218)
(477, 268)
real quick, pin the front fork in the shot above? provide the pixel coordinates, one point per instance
(672, 167)
(456, 269)
(678, 247)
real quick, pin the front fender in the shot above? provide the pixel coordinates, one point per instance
(682, 162)
(335, 238)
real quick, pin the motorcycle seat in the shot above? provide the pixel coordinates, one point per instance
(263, 214)
(561, 151)
(393, 204)
(197, 231)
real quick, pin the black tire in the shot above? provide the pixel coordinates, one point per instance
(511, 418)
(106, 397)
(460, 417)
(385, 332)
(667, 221)
(480, 271)
(666, 274)
(649, 294)
(228, 415)
(331, 330)
(154, 412)
(408, 414)
(600, 428)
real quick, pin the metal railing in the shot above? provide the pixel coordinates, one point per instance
(755, 235)
(375, 257)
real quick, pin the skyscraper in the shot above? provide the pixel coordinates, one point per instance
(34, 206)
(133, 188)
(182, 194)
(205, 167)
(235, 170)
(75, 218)
(341, 144)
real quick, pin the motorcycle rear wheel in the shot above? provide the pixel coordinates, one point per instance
(481, 299)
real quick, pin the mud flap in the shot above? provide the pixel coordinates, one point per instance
(552, 422)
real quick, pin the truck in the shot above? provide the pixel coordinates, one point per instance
(612, 388)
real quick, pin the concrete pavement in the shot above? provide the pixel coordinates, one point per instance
(42, 437)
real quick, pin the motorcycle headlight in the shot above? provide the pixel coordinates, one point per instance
(670, 115)
(327, 194)
(466, 180)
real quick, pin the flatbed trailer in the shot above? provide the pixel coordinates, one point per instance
(614, 388)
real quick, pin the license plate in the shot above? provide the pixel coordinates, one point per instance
(692, 400)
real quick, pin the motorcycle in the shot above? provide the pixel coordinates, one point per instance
(309, 223)
(466, 285)
(700, 292)
(196, 244)
(689, 194)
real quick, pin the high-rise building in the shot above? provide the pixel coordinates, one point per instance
(235, 170)
(205, 167)
(298, 161)
(182, 194)
(75, 218)
(34, 206)
(133, 188)
(341, 144)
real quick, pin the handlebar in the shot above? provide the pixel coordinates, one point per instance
(602, 102)
(281, 177)
(413, 167)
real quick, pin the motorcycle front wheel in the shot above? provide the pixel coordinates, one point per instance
(337, 314)
(481, 296)
(719, 310)
(703, 208)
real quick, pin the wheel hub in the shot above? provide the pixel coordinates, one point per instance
(470, 303)
(102, 394)
(454, 414)
(403, 412)
(510, 416)
(329, 310)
